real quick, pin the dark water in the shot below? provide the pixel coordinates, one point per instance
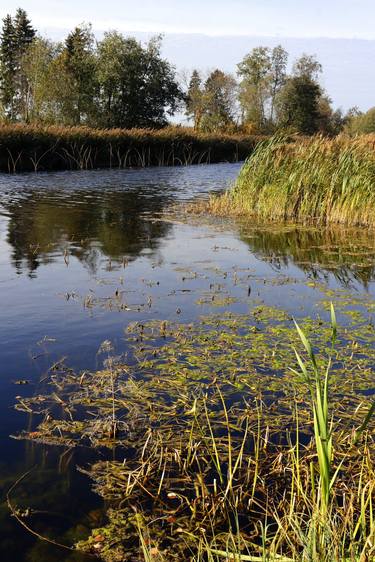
(71, 241)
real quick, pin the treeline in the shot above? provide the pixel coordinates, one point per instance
(119, 82)
(265, 98)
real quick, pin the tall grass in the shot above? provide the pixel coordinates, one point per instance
(318, 519)
(36, 148)
(315, 179)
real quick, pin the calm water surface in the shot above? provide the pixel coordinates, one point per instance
(71, 241)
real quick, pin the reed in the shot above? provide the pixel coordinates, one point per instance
(306, 180)
(37, 148)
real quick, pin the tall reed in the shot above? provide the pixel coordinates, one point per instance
(316, 179)
(36, 148)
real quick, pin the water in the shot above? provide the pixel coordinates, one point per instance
(75, 244)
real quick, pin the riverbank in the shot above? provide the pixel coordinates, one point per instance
(311, 180)
(33, 148)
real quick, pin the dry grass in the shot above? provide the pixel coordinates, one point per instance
(35, 148)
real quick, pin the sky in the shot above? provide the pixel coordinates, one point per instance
(209, 34)
(289, 18)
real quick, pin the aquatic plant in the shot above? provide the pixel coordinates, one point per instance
(35, 148)
(309, 179)
(216, 451)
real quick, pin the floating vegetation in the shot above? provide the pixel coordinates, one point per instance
(312, 179)
(215, 454)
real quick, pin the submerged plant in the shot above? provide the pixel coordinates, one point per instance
(216, 444)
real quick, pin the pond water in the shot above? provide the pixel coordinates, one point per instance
(85, 254)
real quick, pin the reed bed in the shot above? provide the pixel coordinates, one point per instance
(38, 148)
(307, 180)
(225, 444)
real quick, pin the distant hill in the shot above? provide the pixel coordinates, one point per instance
(348, 64)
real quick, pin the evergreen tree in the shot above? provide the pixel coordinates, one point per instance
(24, 37)
(78, 61)
(23, 31)
(8, 67)
(195, 99)
(219, 101)
(16, 37)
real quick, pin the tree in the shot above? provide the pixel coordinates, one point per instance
(307, 66)
(137, 87)
(24, 38)
(358, 123)
(24, 31)
(16, 38)
(254, 71)
(219, 101)
(298, 105)
(302, 105)
(78, 66)
(195, 99)
(39, 71)
(262, 74)
(279, 60)
(8, 67)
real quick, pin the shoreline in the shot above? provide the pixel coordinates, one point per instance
(25, 148)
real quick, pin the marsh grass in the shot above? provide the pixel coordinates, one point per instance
(221, 451)
(314, 179)
(36, 148)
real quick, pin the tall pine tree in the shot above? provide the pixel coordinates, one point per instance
(8, 68)
(16, 37)
(24, 37)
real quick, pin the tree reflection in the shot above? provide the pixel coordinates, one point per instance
(347, 254)
(87, 224)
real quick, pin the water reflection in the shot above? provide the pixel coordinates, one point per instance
(109, 212)
(91, 218)
(347, 254)
(111, 223)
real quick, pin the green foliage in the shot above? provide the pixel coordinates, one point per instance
(16, 38)
(77, 62)
(262, 73)
(298, 105)
(361, 123)
(212, 105)
(137, 86)
(120, 82)
(117, 83)
(319, 180)
(219, 102)
(8, 67)
(195, 99)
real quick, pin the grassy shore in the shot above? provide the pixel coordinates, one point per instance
(307, 180)
(36, 148)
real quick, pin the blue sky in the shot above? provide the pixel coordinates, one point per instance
(290, 18)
